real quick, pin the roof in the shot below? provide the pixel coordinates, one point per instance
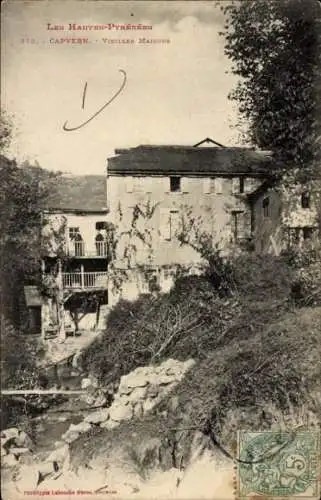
(269, 183)
(171, 159)
(84, 193)
(32, 295)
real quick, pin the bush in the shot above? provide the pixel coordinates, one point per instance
(19, 358)
(192, 319)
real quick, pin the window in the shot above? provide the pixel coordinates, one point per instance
(266, 207)
(305, 200)
(169, 223)
(238, 224)
(218, 185)
(207, 185)
(174, 223)
(129, 184)
(238, 185)
(73, 231)
(175, 184)
(79, 245)
(164, 224)
(101, 225)
(307, 233)
(101, 246)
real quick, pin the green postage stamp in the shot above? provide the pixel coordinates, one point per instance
(279, 464)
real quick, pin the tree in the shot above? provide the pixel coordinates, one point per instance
(23, 194)
(274, 46)
(6, 127)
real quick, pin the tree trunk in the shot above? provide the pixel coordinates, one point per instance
(60, 305)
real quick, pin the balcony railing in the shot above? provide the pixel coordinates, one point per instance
(85, 280)
(78, 249)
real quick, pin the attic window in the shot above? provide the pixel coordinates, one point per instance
(305, 200)
(266, 207)
(175, 184)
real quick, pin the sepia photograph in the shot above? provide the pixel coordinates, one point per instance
(160, 249)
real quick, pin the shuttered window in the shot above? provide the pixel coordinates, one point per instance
(218, 185)
(129, 184)
(185, 185)
(164, 224)
(235, 185)
(207, 185)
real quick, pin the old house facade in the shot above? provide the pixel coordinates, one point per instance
(130, 231)
(286, 215)
(156, 192)
(75, 254)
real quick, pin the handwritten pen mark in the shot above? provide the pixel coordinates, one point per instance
(84, 96)
(121, 88)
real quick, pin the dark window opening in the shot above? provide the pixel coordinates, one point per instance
(305, 200)
(266, 207)
(101, 225)
(73, 231)
(238, 224)
(307, 233)
(79, 245)
(175, 184)
(241, 184)
(101, 246)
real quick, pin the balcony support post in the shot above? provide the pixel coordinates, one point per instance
(82, 277)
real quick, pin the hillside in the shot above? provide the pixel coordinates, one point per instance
(188, 369)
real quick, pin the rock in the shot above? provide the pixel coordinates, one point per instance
(89, 399)
(189, 364)
(13, 432)
(153, 391)
(59, 444)
(120, 412)
(139, 410)
(9, 461)
(98, 416)
(135, 379)
(138, 393)
(166, 379)
(85, 383)
(109, 425)
(149, 404)
(62, 418)
(70, 436)
(100, 400)
(81, 428)
(125, 390)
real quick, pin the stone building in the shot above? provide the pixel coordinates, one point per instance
(286, 215)
(156, 192)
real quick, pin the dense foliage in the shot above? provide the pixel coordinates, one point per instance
(274, 47)
(192, 319)
(23, 193)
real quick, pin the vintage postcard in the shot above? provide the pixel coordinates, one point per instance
(160, 204)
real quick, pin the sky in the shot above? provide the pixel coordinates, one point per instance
(175, 93)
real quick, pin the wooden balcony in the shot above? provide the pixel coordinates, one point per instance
(84, 281)
(78, 249)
